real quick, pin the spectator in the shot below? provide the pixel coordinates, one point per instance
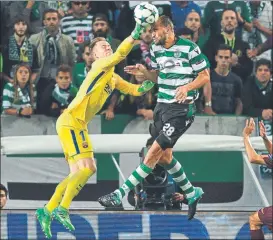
(81, 69)
(200, 35)
(54, 49)
(142, 106)
(213, 15)
(180, 10)
(185, 33)
(56, 97)
(19, 97)
(101, 28)
(241, 64)
(262, 25)
(3, 196)
(78, 25)
(146, 40)
(257, 92)
(32, 12)
(19, 50)
(226, 87)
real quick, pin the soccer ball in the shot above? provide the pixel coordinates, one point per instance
(145, 14)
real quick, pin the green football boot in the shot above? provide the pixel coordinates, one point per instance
(193, 201)
(62, 215)
(44, 218)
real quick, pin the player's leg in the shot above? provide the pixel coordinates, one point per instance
(44, 215)
(84, 161)
(177, 120)
(143, 170)
(175, 169)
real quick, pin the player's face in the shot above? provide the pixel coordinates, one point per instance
(102, 49)
(3, 199)
(146, 36)
(223, 59)
(23, 75)
(193, 21)
(20, 28)
(51, 22)
(87, 57)
(63, 79)
(263, 74)
(159, 34)
(229, 21)
(100, 28)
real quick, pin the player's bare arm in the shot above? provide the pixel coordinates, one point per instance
(141, 70)
(252, 155)
(130, 88)
(202, 78)
(267, 142)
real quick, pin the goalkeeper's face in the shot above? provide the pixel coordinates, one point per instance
(102, 49)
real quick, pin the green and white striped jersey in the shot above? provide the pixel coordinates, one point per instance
(23, 97)
(177, 65)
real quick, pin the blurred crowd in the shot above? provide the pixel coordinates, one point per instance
(45, 54)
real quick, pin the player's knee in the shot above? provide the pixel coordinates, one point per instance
(164, 141)
(166, 157)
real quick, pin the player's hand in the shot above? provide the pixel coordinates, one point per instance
(146, 86)
(262, 129)
(181, 94)
(137, 31)
(249, 127)
(137, 70)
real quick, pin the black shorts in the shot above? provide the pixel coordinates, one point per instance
(173, 119)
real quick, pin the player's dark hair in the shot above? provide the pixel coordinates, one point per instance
(64, 68)
(3, 188)
(261, 62)
(224, 47)
(50, 11)
(165, 21)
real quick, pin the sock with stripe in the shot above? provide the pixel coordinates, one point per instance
(134, 179)
(58, 194)
(176, 171)
(74, 186)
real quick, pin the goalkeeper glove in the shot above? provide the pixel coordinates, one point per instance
(146, 86)
(137, 31)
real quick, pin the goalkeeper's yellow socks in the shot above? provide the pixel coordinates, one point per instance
(74, 186)
(58, 194)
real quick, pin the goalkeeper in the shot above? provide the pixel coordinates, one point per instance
(72, 126)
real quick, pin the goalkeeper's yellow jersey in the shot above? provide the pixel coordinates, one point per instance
(99, 84)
